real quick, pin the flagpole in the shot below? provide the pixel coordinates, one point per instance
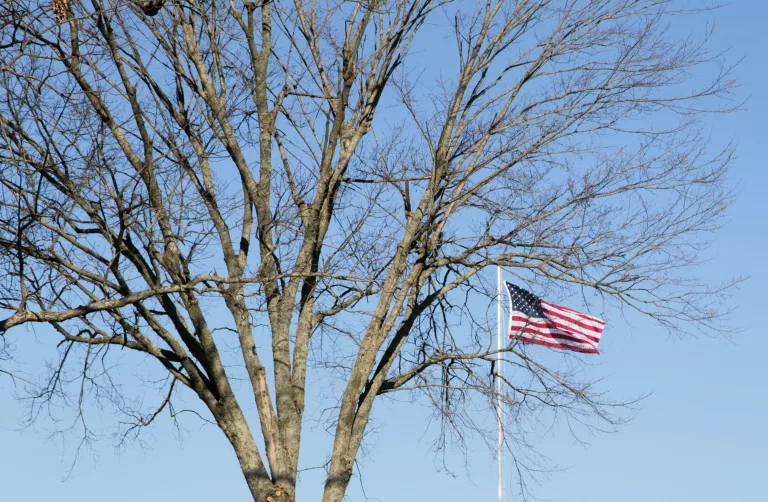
(499, 440)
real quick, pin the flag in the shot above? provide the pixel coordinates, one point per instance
(534, 320)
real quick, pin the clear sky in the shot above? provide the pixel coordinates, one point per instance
(700, 436)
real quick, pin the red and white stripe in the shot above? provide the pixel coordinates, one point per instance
(562, 328)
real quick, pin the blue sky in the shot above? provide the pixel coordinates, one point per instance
(700, 436)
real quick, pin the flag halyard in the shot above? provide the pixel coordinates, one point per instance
(537, 321)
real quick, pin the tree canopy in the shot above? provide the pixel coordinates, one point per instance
(288, 191)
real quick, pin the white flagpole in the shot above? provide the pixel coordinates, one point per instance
(499, 441)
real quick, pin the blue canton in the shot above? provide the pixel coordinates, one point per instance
(525, 302)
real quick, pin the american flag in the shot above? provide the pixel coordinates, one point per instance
(534, 320)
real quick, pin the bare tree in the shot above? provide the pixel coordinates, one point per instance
(183, 177)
